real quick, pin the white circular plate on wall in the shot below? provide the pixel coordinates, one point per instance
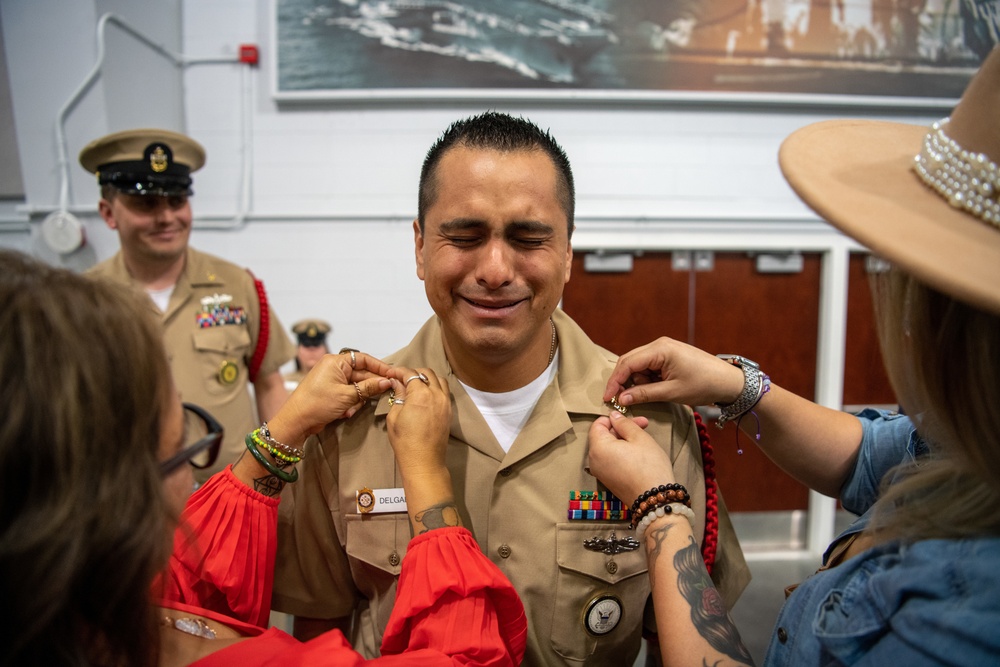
(63, 232)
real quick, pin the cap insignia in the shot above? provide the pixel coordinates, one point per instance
(158, 160)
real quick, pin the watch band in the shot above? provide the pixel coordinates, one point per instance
(754, 386)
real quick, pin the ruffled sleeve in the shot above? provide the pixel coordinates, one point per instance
(451, 598)
(224, 551)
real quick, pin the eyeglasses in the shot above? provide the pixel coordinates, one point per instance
(202, 439)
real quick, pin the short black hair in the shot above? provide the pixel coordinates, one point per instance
(497, 131)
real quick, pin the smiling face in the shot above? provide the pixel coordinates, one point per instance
(150, 227)
(494, 256)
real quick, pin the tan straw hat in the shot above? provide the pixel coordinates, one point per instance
(862, 177)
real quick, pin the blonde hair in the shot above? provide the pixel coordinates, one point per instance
(942, 357)
(84, 383)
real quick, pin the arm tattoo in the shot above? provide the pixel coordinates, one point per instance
(708, 611)
(660, 535)
(269, 485)
(441, 515)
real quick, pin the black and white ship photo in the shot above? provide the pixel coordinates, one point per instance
(902, 48)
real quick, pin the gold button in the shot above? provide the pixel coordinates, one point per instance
(612, 566)
(394, 559)
(504, 551)
(505, 472)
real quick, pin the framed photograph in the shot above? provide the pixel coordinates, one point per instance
(854, 52)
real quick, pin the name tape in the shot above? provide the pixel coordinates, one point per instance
(380, 501)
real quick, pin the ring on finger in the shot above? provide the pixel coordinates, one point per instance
(419, 376)
(361, 396)
(351, 351)
(393, 400)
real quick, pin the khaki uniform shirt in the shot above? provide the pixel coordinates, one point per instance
(333, 560)
(210, 363)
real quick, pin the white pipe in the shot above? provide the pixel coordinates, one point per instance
(177, 59)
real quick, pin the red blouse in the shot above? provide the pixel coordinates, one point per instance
(453, 606)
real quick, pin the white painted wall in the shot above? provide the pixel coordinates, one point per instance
(333, 187)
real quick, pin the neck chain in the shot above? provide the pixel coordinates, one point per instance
(552, 346)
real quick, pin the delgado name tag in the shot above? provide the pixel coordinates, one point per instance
(377, 501)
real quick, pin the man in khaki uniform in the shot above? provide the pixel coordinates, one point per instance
(219, 332)
(493, 249)
(310, 336)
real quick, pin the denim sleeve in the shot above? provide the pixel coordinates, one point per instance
(888, 438)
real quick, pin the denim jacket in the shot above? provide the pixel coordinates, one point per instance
(934, 602)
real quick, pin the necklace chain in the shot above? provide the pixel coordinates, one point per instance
(552, 346)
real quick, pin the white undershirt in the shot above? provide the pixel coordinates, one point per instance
(506, 413)
(161, 297)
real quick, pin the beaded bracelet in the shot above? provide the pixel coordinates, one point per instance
(273, 451)
(659, 495)
(289, 451)
(662, 511)
(267, 465)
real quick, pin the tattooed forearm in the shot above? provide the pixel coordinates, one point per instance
(659, 535)
(441, 515)
(708, 611)
(269, 485)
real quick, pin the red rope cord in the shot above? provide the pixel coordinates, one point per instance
(710, 544)
(265, 330)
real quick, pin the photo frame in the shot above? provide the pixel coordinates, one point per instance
(884, 53)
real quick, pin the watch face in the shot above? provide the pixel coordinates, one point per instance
(737, 360)
(603, 615)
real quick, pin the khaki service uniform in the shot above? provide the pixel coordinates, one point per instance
(333, 560)
(210, 352)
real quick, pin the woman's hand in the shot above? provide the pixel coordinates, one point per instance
(671, 371)
(420, 419)
(419, 424)
(333, 389)
(625, 458)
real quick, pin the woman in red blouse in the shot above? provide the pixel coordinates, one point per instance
(94, 453)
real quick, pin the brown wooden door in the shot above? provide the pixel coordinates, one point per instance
(771, 318)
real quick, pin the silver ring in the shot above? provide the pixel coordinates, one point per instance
(419, 376)
(393, 400)
(354, 360)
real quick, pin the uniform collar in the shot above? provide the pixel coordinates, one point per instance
(578, 365)
(577, 388)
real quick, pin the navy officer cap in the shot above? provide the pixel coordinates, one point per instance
(311, 333)
(144, 161)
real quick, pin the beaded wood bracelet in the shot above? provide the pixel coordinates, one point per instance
(267, 465)
(659, 495)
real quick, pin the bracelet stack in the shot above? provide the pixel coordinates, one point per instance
(660, 501)
(284, 455)
(661, 511)
(279, 449)
(755, 384)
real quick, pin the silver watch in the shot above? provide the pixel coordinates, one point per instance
(753, 379)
